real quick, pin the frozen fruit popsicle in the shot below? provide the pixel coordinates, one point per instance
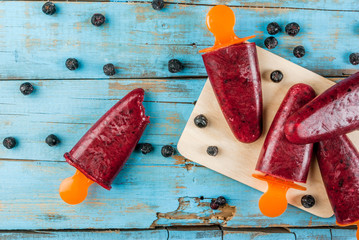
(283, 162)
(339, 165)
(233, 71)
(104, 149)
(333, 113)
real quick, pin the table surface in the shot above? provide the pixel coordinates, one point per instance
(153, 197)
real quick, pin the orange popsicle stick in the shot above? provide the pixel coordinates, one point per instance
(354, 223)
(73, 190)
(274, 202)
(220, 21)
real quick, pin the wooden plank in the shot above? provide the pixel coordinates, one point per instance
(259, 235)
(143, 196)
(140, 41)
(330, 5)
(93, 235)
(343, 234)
(311, 233)
(71, 107)
(195, 234)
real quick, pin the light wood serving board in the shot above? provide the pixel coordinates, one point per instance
(237, 160)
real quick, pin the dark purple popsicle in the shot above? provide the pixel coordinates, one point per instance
(279, 157)
(104, 149)
(333, 113)
(339, 165)
(234, 75)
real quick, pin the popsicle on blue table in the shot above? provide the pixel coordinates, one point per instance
(333, 113)
(102, 152)
(233, 71)
(281, 162)
(339, 165)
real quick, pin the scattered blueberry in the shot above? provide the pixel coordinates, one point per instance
(299, 51)
(201, 121)
(49, 8)
(292, 29)
(167, 151)
(214, 205)
(109, 69)
(157, 4)
(98, 19)
(72, 64)
(212, 150)
(9, 142)
(221, 201)
(174, 66)
(270, 42)
(146, 148)
(308, 201)
(52, 140)
(276, 76)
(354, 58)
(26, 88)
(273, 28)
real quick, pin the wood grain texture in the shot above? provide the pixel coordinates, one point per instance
(319, 5)
(95, 235)
(144, 195)
(339, 234)
(140, 40)
(264, 235)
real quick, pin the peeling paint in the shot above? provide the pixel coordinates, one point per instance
(194, 208)
(180, 160)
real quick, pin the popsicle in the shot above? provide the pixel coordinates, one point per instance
(232, 68)
(338, 161)
(333, 113)
(104, 149)
(281, 161)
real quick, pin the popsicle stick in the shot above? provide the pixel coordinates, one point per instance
(237, 160)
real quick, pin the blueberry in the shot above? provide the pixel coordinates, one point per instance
(201, 121)
(214, 205)
(109, 69)
(276, 76)
(273, 28)
(72, 64)
(167, 151)
(146, 148)
(98, 19)
(354, 58)
(49, 8)
(9, 142)
(52, 140)
(26, 88)
(157, 4)
(270, 42)
(299, 51)
(221, 201)
(308, 201)
(292, 29)
(174, 66)
(212, 151)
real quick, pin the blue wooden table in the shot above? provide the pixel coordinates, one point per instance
(153, 197)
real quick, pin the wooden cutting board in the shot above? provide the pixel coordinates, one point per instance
(237, 160)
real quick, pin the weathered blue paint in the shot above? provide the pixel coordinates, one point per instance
(204, 234)
(339, 234)
(96, 235)
(311, 233)
(265, 235)
(145, 194)
(140, 41)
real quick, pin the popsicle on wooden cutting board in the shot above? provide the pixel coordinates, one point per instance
(232, 67)
(281, 161)
(333, 113)
(338, 161)
(102, 152)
